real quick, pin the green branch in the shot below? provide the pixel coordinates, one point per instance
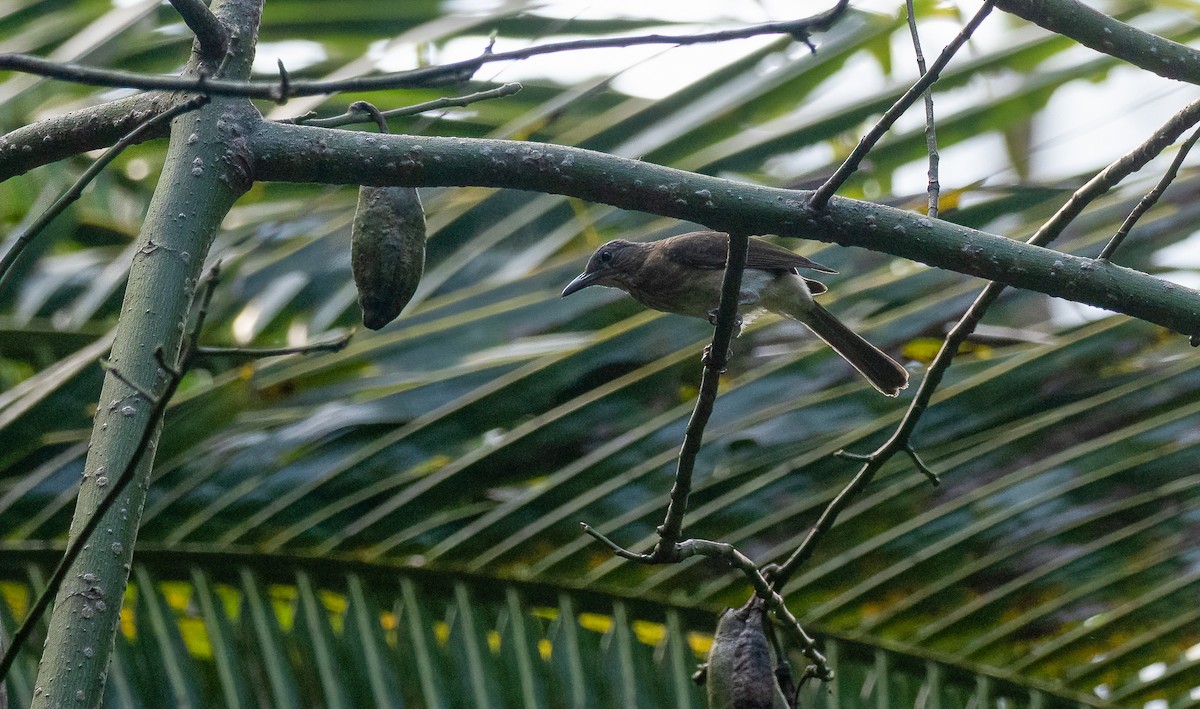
(290, 153)
(1110, 36)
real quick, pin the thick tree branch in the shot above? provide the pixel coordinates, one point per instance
(206, 169)
(158, 406)
(92, 128)
(158, 122)
(1110, 36)
(305, 154)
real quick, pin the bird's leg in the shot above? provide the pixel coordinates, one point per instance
(706, 358)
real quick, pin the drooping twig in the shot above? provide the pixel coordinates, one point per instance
(715, 359)
(899, 442)
(74, 191)
(351, 117)
(427, 76)
(868, 141)
(930, 127)
(762, 587)
(174, 374)
(212, 35)
(1150, 199)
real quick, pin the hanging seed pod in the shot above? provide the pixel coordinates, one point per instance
(740, 674)
(387, 251)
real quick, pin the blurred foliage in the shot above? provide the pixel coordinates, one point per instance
(397, 524)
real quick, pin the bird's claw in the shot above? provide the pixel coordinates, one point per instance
(707, 360)
(712, 320)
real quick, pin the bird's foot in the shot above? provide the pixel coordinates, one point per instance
(707, 360)
(712, 320)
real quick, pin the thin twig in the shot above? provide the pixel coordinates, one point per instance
(821, 196)
(174, 375)
(368, 109)
(424, 77)
(930, 126)
(1150, 199)
(212, 35)
(138, 388)
(899, 442)
(715, 359)
(351, 117)
(285, 82)
(762, 588)
(74, 191)
(335, 345)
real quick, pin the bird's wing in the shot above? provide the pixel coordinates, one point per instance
(707, 250)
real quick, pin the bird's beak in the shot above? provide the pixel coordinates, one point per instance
(581, 281)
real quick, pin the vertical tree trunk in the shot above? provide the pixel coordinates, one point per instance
(206, 169)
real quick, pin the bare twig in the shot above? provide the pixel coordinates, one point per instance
(762, 587)
(930, 127)
(335, 345)
(868, 141)
(715, 359)
(141, 391)
(1149, 200)
(899, 442)
(174, 375)
(285, 83)
(212, 35)
(74, 191)
(351, 117)
(369, 110)
(428, 76)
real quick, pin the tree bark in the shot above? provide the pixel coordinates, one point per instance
(206, 169)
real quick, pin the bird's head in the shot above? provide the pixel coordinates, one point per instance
(611, 265)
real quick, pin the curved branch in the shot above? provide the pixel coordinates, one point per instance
(1104, 34)
(425, 77)
(305, 154)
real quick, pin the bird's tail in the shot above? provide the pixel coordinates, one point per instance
(884, 373)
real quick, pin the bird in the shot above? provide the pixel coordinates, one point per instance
(682, 274)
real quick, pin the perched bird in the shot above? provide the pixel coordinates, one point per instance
(683, 275)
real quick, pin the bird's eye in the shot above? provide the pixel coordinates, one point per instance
(605, 256)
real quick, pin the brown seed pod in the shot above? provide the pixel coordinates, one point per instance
(740, 673)
(387, 251)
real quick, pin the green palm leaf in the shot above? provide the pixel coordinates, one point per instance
(396, 524)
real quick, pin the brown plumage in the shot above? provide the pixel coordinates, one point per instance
(683, 275)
